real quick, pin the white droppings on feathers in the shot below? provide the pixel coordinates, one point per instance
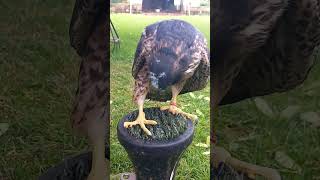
(162, 74)
(154, 80)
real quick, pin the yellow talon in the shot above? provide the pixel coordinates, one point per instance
(141, 120)
(175, 110)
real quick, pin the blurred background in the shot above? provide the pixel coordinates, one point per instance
(190, 7)
(38, 79)
(281, 131)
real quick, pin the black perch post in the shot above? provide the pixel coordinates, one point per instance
(156, 157)
(72, 168)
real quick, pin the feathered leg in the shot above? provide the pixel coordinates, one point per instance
(140, 93)
(90, 114)
(176, 89)
(141, 119)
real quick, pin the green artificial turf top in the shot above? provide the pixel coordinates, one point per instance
(169, 126)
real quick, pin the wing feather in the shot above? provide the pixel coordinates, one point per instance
(86, 15)
(144, 48)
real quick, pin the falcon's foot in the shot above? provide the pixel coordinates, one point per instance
(220, 155)
(141, 120)
(175, 110)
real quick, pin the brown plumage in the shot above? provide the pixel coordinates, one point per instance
(262, 46)
(190, 43)
(88, 35)
(171, 58)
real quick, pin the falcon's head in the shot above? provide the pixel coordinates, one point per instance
(166, 68)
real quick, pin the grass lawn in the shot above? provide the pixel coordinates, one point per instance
(38, 75)
(276, 142)
(194, 164)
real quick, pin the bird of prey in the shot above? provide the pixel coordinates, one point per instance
(261, 47)
(88, 35)
(171, 58)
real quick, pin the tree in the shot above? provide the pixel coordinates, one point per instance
(164, 5)
(117, 1)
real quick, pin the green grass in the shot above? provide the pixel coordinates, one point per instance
(193, 165)
(295, 137)
(38, 75)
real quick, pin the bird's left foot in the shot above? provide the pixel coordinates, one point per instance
(175, 110)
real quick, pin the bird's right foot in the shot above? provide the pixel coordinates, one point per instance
(141, 120)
